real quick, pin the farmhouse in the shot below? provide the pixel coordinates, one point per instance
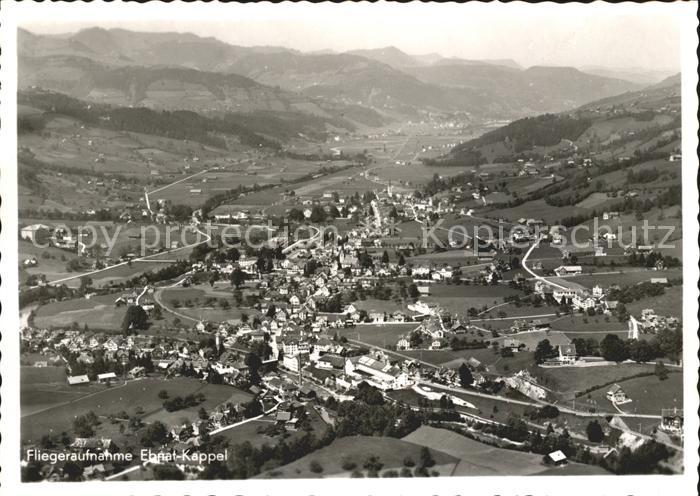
(556, 458)
(567, 354)
(33, 231)
(403, 344)
(616, 395)
(74, 380)
(106, 377)
(671, 420)
(568, 270)
(522, 381)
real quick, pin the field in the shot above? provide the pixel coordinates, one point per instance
(595, 200)
(605, 129)
(568, 380)
(112, 241)
(592, 325)
(120, 273)
(44, 387)
(458, 298)
(649, 394)
(477, 458)
(375, 305)
(197, 297)
(537, 209)
(51, 261)
(495, 293)
(381, 335)
(669, 303)
(274, 170)
(356, 449)
(248, 432)
(628, 277)
(618, 178)
(130, 396)
(531, 339)
(215, 395)
(99, 312)
(493, 362)
(631, 230)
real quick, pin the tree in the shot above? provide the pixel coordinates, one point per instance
(415, 339)
(544, 351)
(85, 283)
(413, 291)
(373, 466)
(594, 432)
(155, 434)
(135, 318)
(254, 363)
(238, 277)
(661, 371)
(385, 257)
(466, 378)
(426, 458)
(613, 348)
(163, 394)
(641, 351)
(318, 215)
(72, 471)
(156, 313)
(401, 261)
(671, 342)
(167, 472)
(296, 215)
(83, 427)
(315, 467)
(369, 394)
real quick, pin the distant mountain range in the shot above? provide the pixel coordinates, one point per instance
(634, 74)
(181, 70)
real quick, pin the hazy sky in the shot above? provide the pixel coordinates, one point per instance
(622, 35)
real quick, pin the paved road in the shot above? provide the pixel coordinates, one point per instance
(523, 264)
(311, 240)
(157, 299)
(158, 190)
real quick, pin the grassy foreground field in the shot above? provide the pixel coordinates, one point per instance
(649, 394)
(568, 380)
(143, 393)
(99, 312)
(476, 458)
(355, 450)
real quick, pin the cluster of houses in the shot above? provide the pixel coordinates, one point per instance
(650, 322)
(579, 299)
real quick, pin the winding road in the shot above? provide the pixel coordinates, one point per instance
(537, 277)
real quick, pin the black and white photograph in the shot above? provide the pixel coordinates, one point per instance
(278, 245)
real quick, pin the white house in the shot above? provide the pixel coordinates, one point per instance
(32, 231)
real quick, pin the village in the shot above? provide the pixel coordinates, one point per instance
(302, 330)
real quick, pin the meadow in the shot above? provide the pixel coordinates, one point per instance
(648, 394)
(355, 450)
(134, 395)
